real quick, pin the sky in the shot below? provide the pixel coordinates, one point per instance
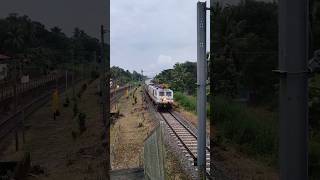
(152, 35)
(66, 14)
(148, 35)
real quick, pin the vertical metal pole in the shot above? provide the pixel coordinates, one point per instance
(201, 85)
(15, 87)
(66, 80)
(16, 135)
(142, 76)
(73, 78)
(103, 82)
(293, 55)
(211, 96)
(22, 124)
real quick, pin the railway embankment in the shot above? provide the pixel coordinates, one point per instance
(231, 158)
(69, 147)
(129, 131)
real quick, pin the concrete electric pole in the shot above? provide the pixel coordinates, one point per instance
(142, 76)
(293, 56)
(211, 96)
(201, 88)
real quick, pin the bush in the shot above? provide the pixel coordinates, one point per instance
(187, 102)
(256, 134)
(314, 159)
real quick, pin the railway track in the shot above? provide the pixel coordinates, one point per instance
(186, 139)
(11, 123)
(116, 94)
(14, 121)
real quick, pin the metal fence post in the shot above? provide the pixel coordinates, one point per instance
(16, 134)
(22, 124)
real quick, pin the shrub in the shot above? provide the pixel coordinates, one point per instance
(256, 134)
(187, 102)
(314, 159)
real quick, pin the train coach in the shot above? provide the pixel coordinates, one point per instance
(162, 97)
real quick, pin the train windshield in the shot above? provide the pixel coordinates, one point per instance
(161, 93)
(169, 94)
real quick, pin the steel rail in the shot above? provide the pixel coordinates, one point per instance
(176, 134)
(185, 146)
(187, 128)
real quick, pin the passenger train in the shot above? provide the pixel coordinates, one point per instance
(161, 96)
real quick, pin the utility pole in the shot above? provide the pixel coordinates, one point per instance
(103, 82)
(211, 96)
(293, 56)
(73, 74)
(142, 76)
(201, 88)
(66, 81)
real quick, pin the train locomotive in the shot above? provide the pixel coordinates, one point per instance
(161, 96)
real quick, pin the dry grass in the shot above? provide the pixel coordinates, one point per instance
(173, 169)
(135, 124)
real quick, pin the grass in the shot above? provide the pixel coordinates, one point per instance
(314, 157)
(188, 102)
(253, 132)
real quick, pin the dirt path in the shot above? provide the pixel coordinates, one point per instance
(57, 145)
(129, 132)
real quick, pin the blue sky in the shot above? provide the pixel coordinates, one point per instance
(152, 34)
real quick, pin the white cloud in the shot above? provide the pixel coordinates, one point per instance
(152, 34)
(165, 60)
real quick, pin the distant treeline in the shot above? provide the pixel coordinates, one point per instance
(25, 39)
(181, 78)
(121, 76)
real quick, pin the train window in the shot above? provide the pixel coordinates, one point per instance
(161, 93)
(168, 93)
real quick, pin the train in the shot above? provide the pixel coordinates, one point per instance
(160, 95)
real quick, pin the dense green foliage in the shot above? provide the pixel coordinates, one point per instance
(121, 76)
(245, 47)
(245, 51)
(181, 78)
(22, 38)
(252, 130)
(189, 103)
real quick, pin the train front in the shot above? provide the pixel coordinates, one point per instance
(166, 98)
